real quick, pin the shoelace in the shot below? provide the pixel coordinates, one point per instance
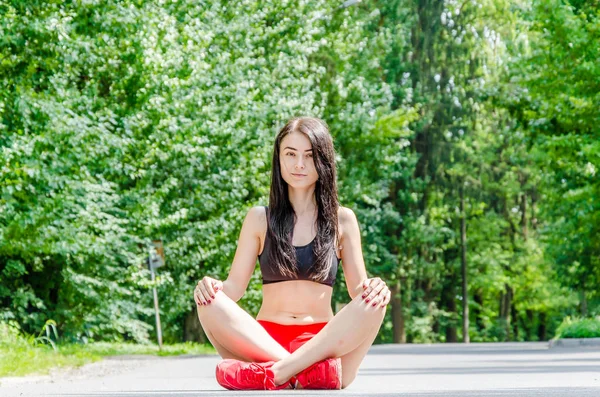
(312, 376)
(254, 374)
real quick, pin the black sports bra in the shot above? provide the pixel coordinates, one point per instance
(306, 260)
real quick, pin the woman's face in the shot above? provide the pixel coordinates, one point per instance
(296, 160)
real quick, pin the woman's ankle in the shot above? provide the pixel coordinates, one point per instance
(279, 373)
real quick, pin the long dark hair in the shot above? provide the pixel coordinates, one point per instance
(281, 214)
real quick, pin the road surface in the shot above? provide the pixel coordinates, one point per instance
(528, 369)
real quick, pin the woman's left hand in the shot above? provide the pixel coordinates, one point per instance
(376, 292)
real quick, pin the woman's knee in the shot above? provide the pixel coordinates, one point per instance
(372, 314)
(216, 303)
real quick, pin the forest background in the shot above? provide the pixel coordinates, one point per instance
(467, 135)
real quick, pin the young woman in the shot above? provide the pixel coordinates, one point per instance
(300, 239)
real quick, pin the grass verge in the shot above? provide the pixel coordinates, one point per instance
(24, 355)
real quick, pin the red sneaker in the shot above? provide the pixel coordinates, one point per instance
(241, 375)
(326, 374)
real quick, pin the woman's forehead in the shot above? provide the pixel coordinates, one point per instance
(297, 141)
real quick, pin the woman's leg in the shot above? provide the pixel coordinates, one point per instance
(235, 334)
(351, 361)
(348, 336)
(224, 353)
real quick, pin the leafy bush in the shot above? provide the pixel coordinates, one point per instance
(11, 335)
(579, 328)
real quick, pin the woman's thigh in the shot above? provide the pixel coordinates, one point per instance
(235, 334)
(221, 350)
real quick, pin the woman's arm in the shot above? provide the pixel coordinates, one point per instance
(373, 290)
(247, 250)
(352, 257)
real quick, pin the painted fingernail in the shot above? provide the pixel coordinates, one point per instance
(374, 303)
(208, 301)
(364, 296)
(213, 296)
(367, 301)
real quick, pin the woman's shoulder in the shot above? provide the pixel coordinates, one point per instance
(258, 214)
(346, 221)
(345, 215)
(257, 217)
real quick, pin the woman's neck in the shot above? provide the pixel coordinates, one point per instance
(302, 200)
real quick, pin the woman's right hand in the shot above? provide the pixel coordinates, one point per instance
(206, 289)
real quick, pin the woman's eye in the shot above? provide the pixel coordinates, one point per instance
(290, 154)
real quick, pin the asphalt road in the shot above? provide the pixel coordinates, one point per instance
(444, 370)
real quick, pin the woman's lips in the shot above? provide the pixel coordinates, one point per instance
(298, 174)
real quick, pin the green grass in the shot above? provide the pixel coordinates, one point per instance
(25, 354)
(578, 328)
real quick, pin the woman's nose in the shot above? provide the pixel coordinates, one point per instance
(300, 163)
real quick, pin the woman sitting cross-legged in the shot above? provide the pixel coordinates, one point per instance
(299, 239)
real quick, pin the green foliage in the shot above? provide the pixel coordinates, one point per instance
(48, 329)
(126, 121)
(578, 328)
(553, 94)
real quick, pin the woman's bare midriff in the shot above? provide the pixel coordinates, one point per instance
(296, 302)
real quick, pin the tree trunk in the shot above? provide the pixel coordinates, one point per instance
(448, 301)
(584, 303)
(451, 331)
(398, 314)
(508, 305)
(514, 322)
(542, 327)
(524, 216)
(448, 294)
(478, 298)
(192, 330)
(463, 243)
(533, 201)
(505, 308)
(528, 324)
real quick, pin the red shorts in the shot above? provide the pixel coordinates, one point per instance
(291, 337)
